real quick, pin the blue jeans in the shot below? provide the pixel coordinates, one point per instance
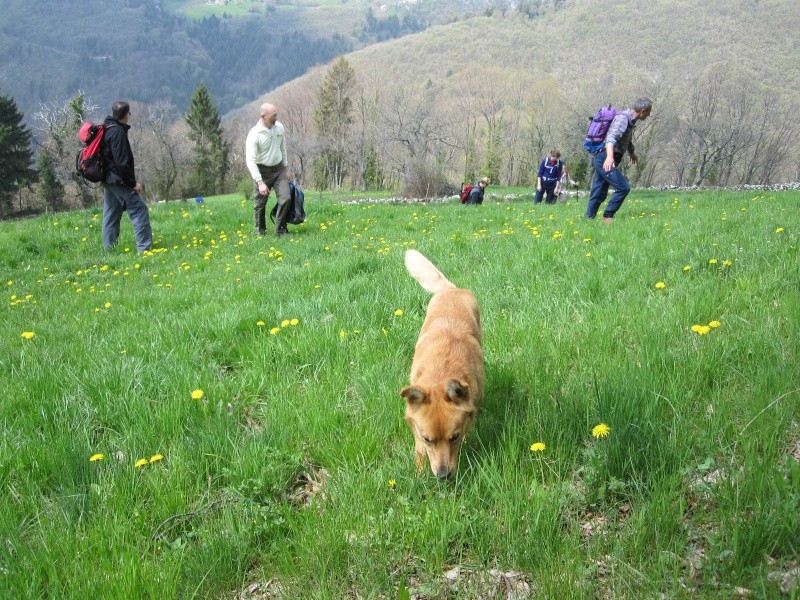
(602, 181)
(550, 188)
(116, 200)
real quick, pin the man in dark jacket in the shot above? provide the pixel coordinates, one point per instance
(120, 188)
(548, 178)
(476, 194)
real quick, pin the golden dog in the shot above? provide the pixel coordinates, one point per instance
(447, 371)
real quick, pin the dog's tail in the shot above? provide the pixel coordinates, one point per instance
(428, 276)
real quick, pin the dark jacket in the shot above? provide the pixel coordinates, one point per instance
(118, 154)
(476, 195)
(550, 173)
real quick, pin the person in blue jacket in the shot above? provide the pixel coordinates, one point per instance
(549, 177)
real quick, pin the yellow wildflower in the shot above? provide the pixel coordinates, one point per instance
(27, 335)
(601, 430)
(96, 457)
(140, 463)
(538, 447)
(197, 394)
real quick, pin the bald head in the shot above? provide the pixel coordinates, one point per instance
(269, 114)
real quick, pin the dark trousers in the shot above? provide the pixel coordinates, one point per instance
(550, 188)
(276, 179)
(602, 181)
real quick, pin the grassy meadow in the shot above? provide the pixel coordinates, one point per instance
(221, 418)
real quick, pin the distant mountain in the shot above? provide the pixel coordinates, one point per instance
(151, 50)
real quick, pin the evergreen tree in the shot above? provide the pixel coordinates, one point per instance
(333, 120)
(15, 153)
(211, 150)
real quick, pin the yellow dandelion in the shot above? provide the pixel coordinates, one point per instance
(198, 394)
(538, 447)
(27, 335)
(779, 230)
(275, 330)
(398, 312)
(687, 268)
(96, 457)
(107, 305)
(156, 457)
(601, 430)
(701, 329)
(714, 324)
(285, 323)
(713, 261)
(260, 323)
(140, 463)
(294, 322)
(660, 285)
(392, 484)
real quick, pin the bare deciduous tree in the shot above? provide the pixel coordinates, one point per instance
(162, 148)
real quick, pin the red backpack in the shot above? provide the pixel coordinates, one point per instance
(465, 193)
(90, 162)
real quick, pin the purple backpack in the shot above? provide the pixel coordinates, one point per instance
(598, 128)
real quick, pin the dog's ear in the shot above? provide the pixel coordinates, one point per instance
(414, 395)
(457, 392)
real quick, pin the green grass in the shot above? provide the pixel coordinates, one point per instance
(280, 474)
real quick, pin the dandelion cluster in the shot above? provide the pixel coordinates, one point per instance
(704, 329)
(283, 325)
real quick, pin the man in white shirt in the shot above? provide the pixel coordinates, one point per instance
(268, 163)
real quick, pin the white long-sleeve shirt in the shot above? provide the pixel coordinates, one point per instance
(265, 147)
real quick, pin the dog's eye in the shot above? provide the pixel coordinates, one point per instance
(428, 441)
(454, 438)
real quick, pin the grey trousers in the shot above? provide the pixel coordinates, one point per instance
(116, 200)
(276, 179)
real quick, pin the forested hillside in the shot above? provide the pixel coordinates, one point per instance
(483, 95)
(160, 50)
(492, 94)
(50, 49)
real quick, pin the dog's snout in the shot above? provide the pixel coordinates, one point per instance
(443, 472)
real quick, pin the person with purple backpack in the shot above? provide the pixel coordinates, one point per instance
(607, 155)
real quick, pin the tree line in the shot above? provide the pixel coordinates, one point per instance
(176, 155)
(349, 131)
